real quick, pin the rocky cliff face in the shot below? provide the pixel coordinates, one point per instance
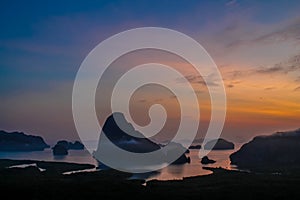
(18, 141)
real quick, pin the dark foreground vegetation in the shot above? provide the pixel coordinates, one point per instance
(31, 183)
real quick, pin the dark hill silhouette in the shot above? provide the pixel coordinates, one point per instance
(60, 150)
(69, 145)
(121, 138)
(18, 141)
(198, 146)
(205, 160)
(278, 150)
(123, 135)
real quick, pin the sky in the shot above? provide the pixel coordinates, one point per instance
(255, 44)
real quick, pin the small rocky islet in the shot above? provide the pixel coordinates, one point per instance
(62, 147)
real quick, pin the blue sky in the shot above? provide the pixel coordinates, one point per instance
(46, 41)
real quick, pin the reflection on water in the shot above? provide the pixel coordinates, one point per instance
(168, 173)
(174, 172)
(144, 176)
(28, 165)
(193, 169)
(78, 171)
(175, 169)
(60, 157)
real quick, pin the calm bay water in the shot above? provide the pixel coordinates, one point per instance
(192, 169)
(169, 173)
(75, 156)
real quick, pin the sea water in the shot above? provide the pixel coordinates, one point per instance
(194, 168)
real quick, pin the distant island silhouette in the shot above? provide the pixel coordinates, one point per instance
(135, 141)
(219, 144)
(198, 146)
(205, 160)
(276, 152)
(62, 147)
(19, 141)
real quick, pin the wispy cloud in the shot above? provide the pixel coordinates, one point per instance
(287, 66)
(290, 65)
(197, 79)
(236, 74)
(231, 3)
(152, 101)
(297, 89)
(269, 88)
(142, 100)
(290, 31)
(158, 100)
(269, 70)
(231, 83)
